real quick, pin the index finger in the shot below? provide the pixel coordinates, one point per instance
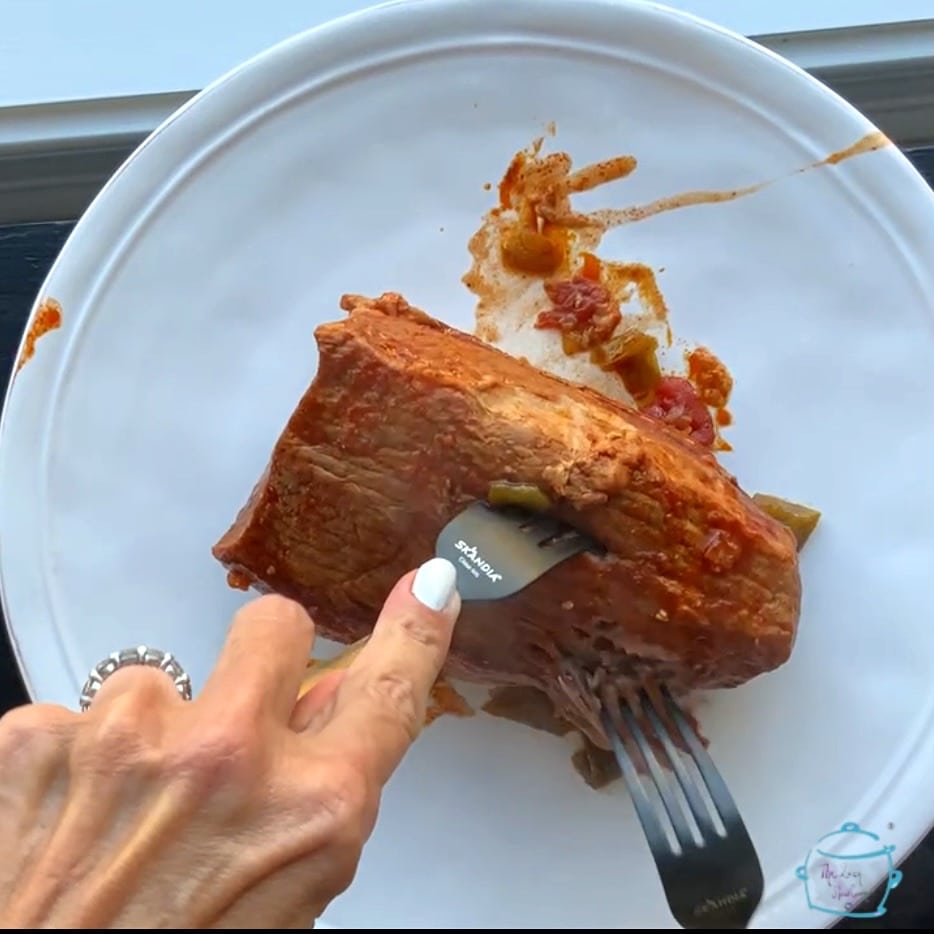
(382, 700)
(261, 665)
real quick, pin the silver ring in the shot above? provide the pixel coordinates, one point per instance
(141, 655)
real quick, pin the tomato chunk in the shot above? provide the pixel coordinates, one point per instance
(582, 310)
(678, 404)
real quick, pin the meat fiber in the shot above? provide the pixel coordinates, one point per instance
(408, 420)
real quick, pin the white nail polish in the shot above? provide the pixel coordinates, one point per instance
(435, 583)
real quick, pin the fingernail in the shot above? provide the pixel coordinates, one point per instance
(435, 583)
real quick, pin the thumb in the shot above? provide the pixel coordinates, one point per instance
(383, 697)
(435, 587)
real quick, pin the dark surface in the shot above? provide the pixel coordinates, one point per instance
(26, 253)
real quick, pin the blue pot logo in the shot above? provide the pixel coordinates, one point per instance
(844, 868)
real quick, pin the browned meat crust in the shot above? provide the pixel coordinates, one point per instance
(408, 420)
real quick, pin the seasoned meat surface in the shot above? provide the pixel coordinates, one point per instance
(408, 420)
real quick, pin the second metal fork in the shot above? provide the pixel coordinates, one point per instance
(707, 863)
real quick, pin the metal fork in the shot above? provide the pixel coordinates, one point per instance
(708, 865)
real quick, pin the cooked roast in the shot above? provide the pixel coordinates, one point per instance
(408, 420)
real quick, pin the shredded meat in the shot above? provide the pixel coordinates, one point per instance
(408, 421)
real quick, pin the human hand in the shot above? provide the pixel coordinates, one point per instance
(240, 808)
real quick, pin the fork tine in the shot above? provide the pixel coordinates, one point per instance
(717, 883)
(698, 806)
(545, 531)
(566, 542)
(654, 834)
(543, 528)
(676, 815)
(716, 786)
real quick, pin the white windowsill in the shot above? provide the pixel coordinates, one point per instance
(53, 51)
(82, 83)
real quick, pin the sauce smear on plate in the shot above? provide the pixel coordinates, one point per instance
(48, 317)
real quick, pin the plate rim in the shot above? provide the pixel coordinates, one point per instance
(337, 26)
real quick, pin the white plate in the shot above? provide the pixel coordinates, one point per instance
(353, 158)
